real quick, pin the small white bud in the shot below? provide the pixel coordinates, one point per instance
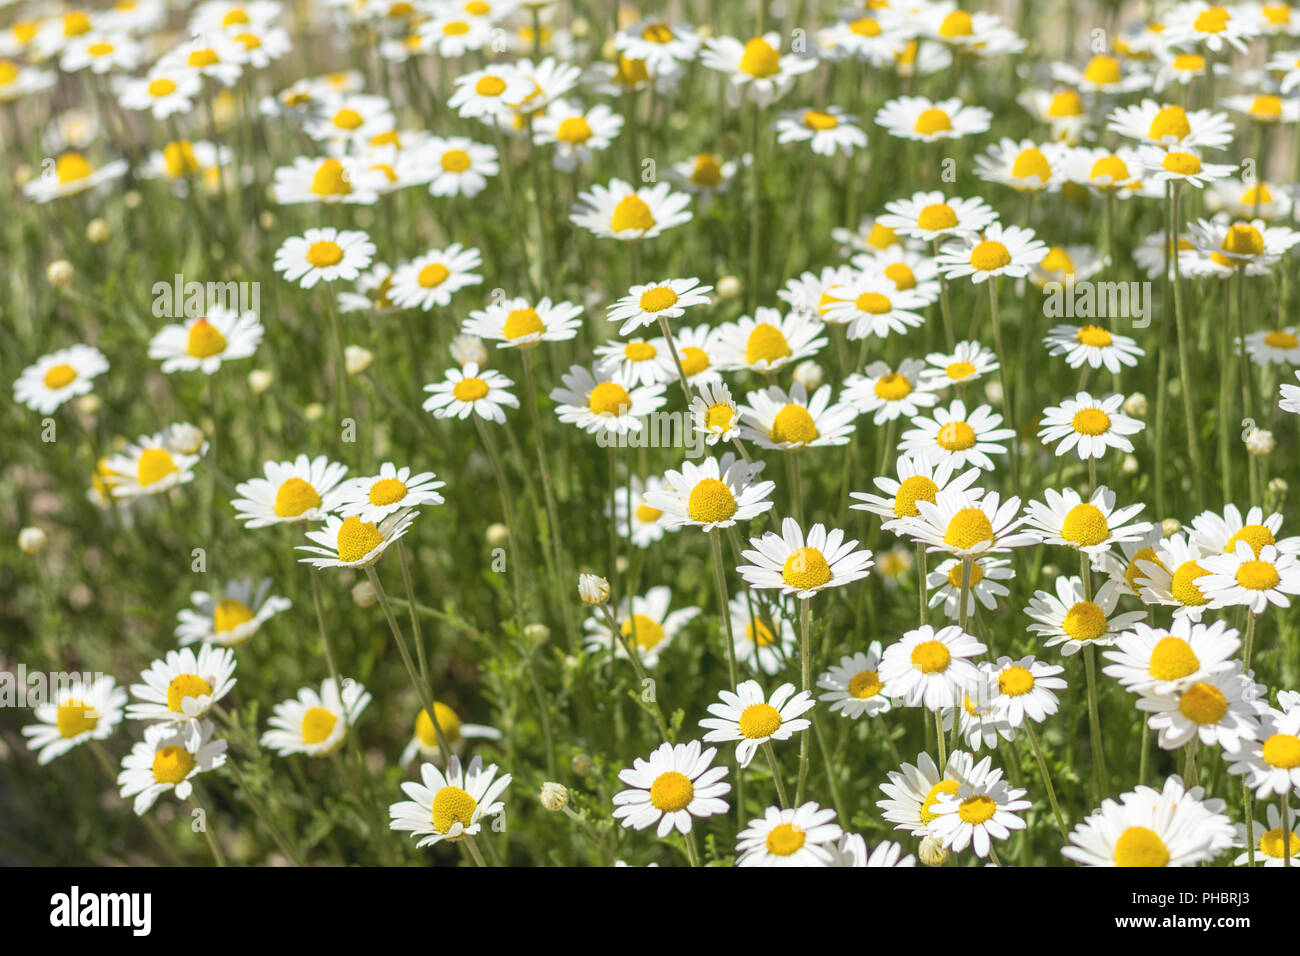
(59, 273)
(1136, 405)
(89, 404)
(97, 231)
(537, 633)
(554, 796)
(581, 764)
(931, 852)
(1260, 442)
(363, 594)
(1170, 527)
(314, 411)
(356, 359)
(497, 534)
(32, 540)
(809, 375)
(469, 348)
(729, 288)
(259, 380)
(1129, 466)
(593, 589)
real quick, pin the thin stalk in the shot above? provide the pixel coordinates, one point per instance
(781, 797)
(805, 668)
(1047, 779)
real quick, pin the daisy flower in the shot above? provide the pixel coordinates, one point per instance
(1088, 426)
(315, 724)
(1104, 171)
(671, 788)
(910, 271)
(598, 400)
(1071, 620)
(917, 118)
(1092, 345)
(998, 251)
(202, 344)
(888, 393)
(1242, 242)
(1245, 577)
(803, 565)
(458, 166)
(966, 525)
(1024, 689)
(919, 479)
(72, 173)
(984, 808)
(826, 131)
(764, 636)
(1179, 165)
(751, 718)
(576, 132)
(431, 279)
(1219, 534)
(1025, 166)
(485, 93)
(800, 836)
(633, 517)
(872, 304)
(931, 216)
(618, 211)
(791, 421)
(292, 491)
(656, 43)
(18, 80)
(755, 67)
(647, 625)
(1090, 526)
(956, 436)
(449, 806)
(230, 617)
(211, 55)
(335, 179)
(1066, 265)
(1172, 577)
(985, 573)
(150, 465)
(768, 341)
(1276, 347)
(668, 299)
(1214, 26)
(1171, 126)
(929, 668)
(354, 543)
(183, 685)
(914, 790)
(53, 379)
(1219, 710)
(324, 255)
(854, 686)
(967, 362)
(852, 851)
(169, 758)
(1061, 108)
(470, 391)
(394, 489)
(1271, 842)
(714, 414)
(424, 738)
(1247, 199)
(1271, 762)
(1290, 400)
(712, 494)
(1101, 74)
(452, 34)
(1173, 826)
(705, 174)
(979, 723)
(516, 323)
(80, 711)
(352, 116)
(1163, 661)
(877, 39)
(637, 362)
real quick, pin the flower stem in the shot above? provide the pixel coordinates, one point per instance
(720, 580)
(805, 666)
(781, 797)
(1047, 779)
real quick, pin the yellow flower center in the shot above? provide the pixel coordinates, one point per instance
(766, 343)
(648, 631)
(235, 17)
(818, 121)
(1058, 260)
(387, 491)
(72, 167)
(8, 72)
(183, 686)
(671, 792)
(806, 569)
(1203, 704)
(470, 389)
(933, 120)
(759, 634)
(455, 28)
(990, 256)
(657, 33)
(294, 497)
(931, 657)
(455, 161)
(202, 58)
(172, 764)
(1084, 621)
(902, 276)
(865, 684)
(1282, 751)
(976, 574)
(1243, 239)
(1273, 843)
(1102, 71)
(1065, 103)
(1111, 166)
(892, 387)
(324, 254)
(1134, 572)
(348, 119)
(205, 340)
(936, 217)
(759, 720)
(1031, 163)
(720, 417)
(932, 797)
(639, 351)
(356, 539)
(694, 360)
(433, 275)
(956, 436)
(1085, 526)
(60, 376)
(317, 725)
(154, 465)
(1094, 336)
(785, 839)
(490, 86)
(956, 24)
(1182, 164)
(1266, 107)
(1091, 421)
(631, 213)
(609, 398)
(968, 528)
(873, 303)
(1213, 20)
(1172, 658)
(179, 159)
(881, 237)
(1281, 340)
(575, 129)
(1183, 589)
(910, 491)
(977, 810)
(631, 72)
(1257, 575)
(521, 322)
(330, 179)
(647, 515)
(1138, 846)
(1169, 122)
(707, 171)
(760, 60)
(866, 27)
(452, 805)
(1189, 62)
(448, 723)
(710, 501)
(1015, 681)
(230, 614)
(959, 370)
(1255, 535)
(1259, 193)
(75, 717)
(793, 424)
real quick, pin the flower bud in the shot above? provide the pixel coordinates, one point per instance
(59, 273)
(809, 375)
(593, 589)
(1260, 442)
(581, 764)
(259, 380)
(32, 540)
(1170, 527)
(554, 796)
(537, 633)
(363, 594)
(356, 359)
(1136, 405)
(729, 288)
(931, 852)
(97, 231)
(497, 534)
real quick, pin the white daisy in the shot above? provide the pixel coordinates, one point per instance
(202, 344)
(55, 378)
(712, 494)
(668, 299)
(917, 118)
(1093, 345)
(764, 637)
(1219, 710)
(169, 758)
(956, 436)
(618, 211)
(647, 626)
(292, 491)
(752, 718)
(183, 685)
(1090, 526)
(984, 586)
(375, 497)
(803, 565)
(353, 543)
(231, 616)
(449, 806)
(597, 400)
(324, 255)
(929, 668)
(792, 421)
(1088, 426)
(516, 323)
(1163, 661)
(470, 391)
(315, 724)
(671, 788)
(854, 686)
(78, 712)
(1072, 620)
(1255, 580)
(768, 341)
(984, 808)
(800, 836)
(432, 278)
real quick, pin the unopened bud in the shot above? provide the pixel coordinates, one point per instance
(97, 231)
(59, 273)
(809, 375)
(729, 288)
(537, 633)
(314, 411)
(1136, 405)
(554, 796)
(1260, 442)
(259, 380)
(32, 540)
(356, 359)
(593, 589)
(931, 852)
(581, 764)
(469, 348)
(1170, 527)
(363, 594)
(497, 534)
(89, 404)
